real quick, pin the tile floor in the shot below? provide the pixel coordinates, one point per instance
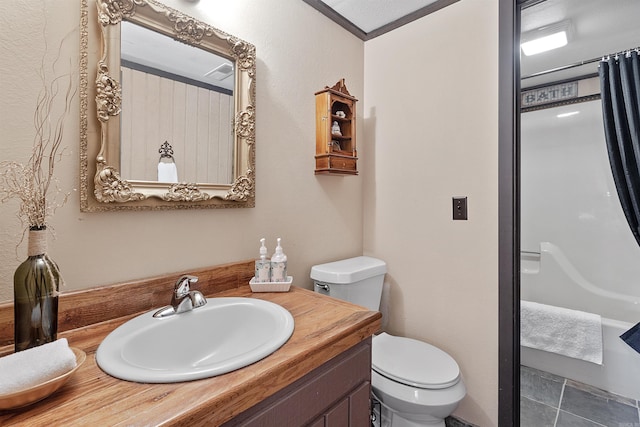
(553, 401)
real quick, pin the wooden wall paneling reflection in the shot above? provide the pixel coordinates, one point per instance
(126, 130)
(203, 138)
(147, 108)
(165, 125)
(179, 127)
(197, 122)
(224, 152)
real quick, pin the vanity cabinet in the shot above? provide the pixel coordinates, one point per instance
(335, 394)
(320, 377)
(336, 131)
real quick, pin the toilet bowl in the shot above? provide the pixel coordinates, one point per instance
(415, 383)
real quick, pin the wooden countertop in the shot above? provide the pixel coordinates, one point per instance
(324, 328)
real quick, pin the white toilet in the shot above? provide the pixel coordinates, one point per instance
(416, 383)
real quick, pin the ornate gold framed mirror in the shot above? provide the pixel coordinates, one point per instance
(167, 110)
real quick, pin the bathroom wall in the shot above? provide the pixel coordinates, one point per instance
(432, 133)
(319, 218)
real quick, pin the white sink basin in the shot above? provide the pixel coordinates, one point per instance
(224, 335)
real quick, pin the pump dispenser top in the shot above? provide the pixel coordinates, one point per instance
(263, 250)
(279, 256)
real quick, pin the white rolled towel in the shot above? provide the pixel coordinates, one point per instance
(34, 366)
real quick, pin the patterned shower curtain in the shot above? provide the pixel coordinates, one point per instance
(620, 89)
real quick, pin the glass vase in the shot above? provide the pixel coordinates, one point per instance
(36, 283)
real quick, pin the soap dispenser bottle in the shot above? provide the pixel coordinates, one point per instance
(279, 265)
(263, 266)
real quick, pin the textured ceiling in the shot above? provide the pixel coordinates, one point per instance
(370, 18)
(369, 15)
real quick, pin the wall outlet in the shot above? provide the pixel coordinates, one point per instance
(459, 208)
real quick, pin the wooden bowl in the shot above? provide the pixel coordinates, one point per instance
(38, 392)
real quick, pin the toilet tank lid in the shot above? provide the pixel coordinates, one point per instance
(348, 270)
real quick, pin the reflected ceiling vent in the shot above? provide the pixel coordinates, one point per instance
(221, 72)
(546, 38)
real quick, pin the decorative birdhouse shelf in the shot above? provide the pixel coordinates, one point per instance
(336, 131)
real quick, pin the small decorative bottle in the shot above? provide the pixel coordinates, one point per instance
(36, 283)
(263, 266)
(279, 265)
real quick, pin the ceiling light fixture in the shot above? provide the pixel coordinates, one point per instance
(569, 114)
(546, 38)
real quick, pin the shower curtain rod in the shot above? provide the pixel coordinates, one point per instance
(578, 64)
(564, 67)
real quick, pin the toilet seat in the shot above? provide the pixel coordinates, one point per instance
(413, 363)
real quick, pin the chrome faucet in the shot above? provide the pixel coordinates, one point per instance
(183, 299)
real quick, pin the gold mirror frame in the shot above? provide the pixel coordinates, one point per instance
(102, 188)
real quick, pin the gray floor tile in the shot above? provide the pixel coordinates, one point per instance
(536, 414)
(452, 421)
(598, 392)
(566, 419)
(541, 386)
(598, 407)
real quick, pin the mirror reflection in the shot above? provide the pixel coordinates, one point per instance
(178, 97)
(167, 110)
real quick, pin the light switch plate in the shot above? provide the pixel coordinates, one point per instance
(459, 208)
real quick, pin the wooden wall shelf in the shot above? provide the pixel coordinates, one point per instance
(336, 153)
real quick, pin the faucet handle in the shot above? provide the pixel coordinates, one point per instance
(181, 288)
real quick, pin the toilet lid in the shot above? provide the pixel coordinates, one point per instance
(414, 363)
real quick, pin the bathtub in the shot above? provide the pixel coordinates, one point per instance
(549, 278)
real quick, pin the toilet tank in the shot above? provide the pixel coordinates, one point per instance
(357, 280)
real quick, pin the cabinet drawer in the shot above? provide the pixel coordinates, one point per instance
(342, 163)
(336, 164)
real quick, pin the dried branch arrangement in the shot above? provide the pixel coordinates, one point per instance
(34, 182)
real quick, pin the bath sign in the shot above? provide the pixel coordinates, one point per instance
(549, 94)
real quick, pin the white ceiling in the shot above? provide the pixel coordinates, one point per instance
(369, 15)
(370, 18)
